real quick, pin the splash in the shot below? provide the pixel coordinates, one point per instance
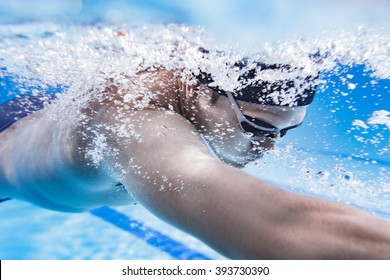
(380, 117)
(87, 55)
(81, 60)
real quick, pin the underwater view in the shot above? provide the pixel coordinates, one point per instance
(341, 151)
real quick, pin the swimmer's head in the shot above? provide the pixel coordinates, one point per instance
(263, 110)
(284, 93)
(240, 132)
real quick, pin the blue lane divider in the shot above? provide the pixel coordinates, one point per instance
(151, 236)
(4, 199)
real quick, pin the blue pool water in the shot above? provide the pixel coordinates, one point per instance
(29, 232)
(340, 152)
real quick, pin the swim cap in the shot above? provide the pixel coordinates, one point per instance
(266, 92)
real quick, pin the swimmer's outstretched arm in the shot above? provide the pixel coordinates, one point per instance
(170, 171)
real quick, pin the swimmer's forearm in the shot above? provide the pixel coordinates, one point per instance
(265, 222)
(246, 218)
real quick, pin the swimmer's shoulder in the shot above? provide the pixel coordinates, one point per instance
(150, 89)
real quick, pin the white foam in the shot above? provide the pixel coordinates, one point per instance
(360, 123)
(380, 117)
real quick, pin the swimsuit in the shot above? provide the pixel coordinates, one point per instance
(21, 107)
(18, 108)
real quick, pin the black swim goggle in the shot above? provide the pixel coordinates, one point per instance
(252, 127)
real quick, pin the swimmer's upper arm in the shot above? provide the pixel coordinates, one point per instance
(158, 140)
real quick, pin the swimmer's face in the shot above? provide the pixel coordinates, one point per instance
(228, 140)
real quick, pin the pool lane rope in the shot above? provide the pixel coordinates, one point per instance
(154, 238)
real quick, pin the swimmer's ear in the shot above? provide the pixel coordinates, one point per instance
(214, 97)
(209, 97)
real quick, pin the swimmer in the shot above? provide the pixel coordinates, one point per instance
(180, 156)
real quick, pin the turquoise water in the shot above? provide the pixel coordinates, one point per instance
(340, 152)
